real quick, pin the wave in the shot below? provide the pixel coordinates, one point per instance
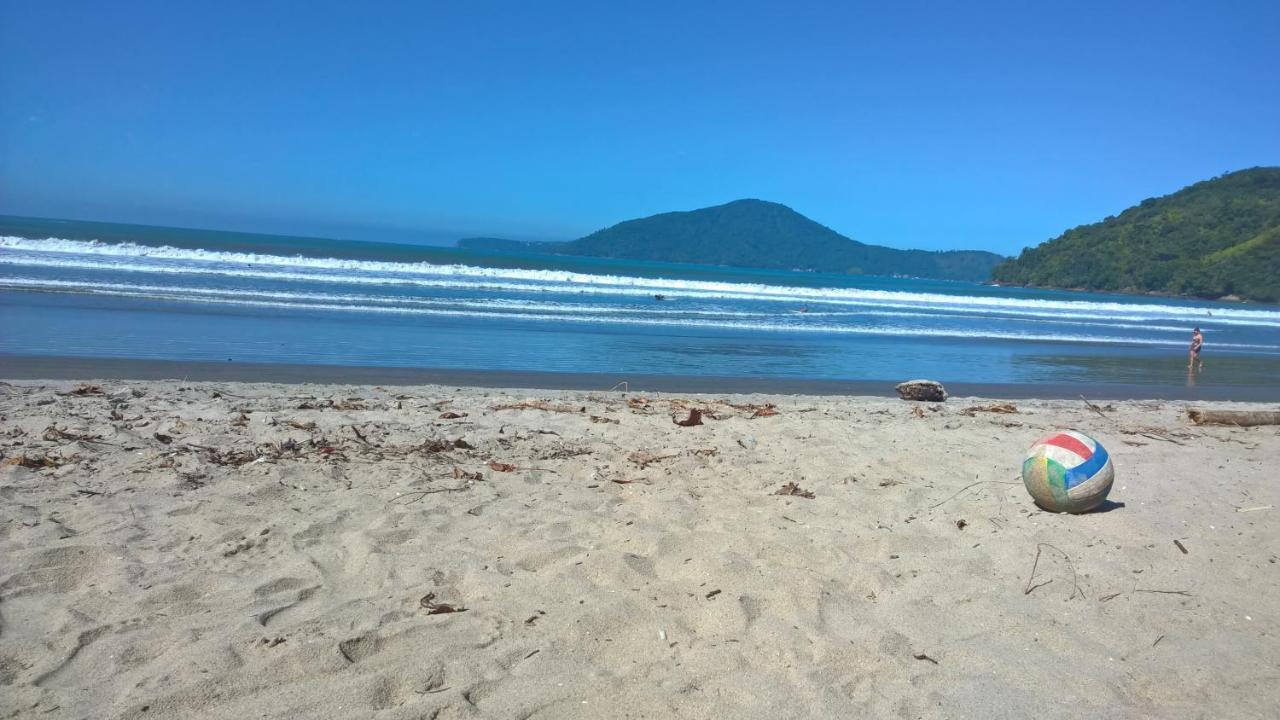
(115, 256)
(503, 303)
(343, 303)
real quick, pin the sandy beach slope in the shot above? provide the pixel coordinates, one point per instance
(234, 550)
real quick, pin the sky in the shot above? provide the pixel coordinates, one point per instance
(913, 124)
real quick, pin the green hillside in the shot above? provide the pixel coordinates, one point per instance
(755, 233)
(1217, 238)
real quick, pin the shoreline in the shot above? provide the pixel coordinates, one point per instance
(33, 367)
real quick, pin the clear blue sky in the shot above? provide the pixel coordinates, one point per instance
(933, 125)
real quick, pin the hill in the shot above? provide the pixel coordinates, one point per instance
(755, 233)
(1217, 238)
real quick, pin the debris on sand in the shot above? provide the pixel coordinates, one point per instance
(84, 390)
(695, 418)
(645, 459)
(1000, 408)
(38, 461)
(436, 445)
(540, 405)
(460, 474)
(501, 466)
(428, 602)
(794, 489)
(766, 410)
(452, 415)
(54, 433)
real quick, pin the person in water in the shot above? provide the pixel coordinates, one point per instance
(1197, 342)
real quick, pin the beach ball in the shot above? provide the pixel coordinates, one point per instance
(1068, 471)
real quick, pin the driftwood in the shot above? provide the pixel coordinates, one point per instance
(1239, 418)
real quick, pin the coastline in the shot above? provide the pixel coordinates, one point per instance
(32, 367)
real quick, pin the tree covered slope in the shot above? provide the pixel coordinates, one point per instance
(1217, 238)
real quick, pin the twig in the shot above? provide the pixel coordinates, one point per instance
(1184, 593)
(423, 493)
(966, 487)
(360, 435)
(1159, 437)
(1180, 547)
(1074, 583)
(1096, 409)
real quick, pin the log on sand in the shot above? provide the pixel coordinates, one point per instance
(1239, 418)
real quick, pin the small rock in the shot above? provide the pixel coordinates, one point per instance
(925, 390)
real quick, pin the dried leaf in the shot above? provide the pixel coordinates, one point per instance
(598, 419)
(766, 410)
(452, 415)
(794, 489)
(501, 466)
(84, 390)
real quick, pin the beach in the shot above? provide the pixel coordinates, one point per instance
(233, 549)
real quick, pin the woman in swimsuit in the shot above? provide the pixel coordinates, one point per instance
(1197, 342)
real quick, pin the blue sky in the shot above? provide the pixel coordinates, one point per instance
(931, 125)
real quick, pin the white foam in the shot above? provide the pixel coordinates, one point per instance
(179, 260)
(348, 303)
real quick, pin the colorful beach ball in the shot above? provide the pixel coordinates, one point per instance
(1068, 471)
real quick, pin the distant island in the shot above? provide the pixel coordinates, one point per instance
(758, 234)
(1219, 238)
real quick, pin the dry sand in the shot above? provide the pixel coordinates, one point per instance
(231, 550)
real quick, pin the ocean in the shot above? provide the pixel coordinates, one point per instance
(68, 291)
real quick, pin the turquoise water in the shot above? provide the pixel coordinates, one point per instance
(78, 289)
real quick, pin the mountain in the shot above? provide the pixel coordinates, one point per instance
(1217, 238)
(754, 233)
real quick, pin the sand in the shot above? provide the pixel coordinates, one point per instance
(235, 550)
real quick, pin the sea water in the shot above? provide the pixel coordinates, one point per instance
(231, 297)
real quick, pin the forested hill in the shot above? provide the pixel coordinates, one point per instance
(755, 233)
(1217, 238)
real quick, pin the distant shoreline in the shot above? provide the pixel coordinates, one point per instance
(30, 367)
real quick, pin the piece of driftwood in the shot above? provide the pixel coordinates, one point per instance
(1239, 418)
(926, 390)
